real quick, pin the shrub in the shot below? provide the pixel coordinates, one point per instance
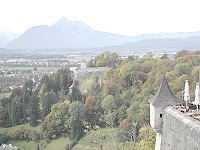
(3, 138)
(24, 134)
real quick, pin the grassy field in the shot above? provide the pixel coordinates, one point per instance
(5, 94)
(79, 57)
(23, 126)
(96, 140)
(57, 144)
(28, 68)
(23, 145)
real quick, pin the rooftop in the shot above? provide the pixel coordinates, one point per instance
(190, 111)
(164, 96)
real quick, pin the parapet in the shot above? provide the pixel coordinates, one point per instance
(180, 131)
(186, 119)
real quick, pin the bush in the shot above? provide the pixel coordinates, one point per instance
(24, 134)
(3, 138)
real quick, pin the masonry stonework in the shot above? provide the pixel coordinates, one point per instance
(179, 132)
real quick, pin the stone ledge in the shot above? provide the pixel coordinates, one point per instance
(187, 120)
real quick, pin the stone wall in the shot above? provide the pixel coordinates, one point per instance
(180, 132)
(156, 117)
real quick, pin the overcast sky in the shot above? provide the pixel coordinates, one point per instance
(125, 17)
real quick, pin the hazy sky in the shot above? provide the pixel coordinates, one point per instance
(126, 17)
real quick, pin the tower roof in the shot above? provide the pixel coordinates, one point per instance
(164, 96)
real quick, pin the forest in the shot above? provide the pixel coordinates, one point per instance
(117, 100)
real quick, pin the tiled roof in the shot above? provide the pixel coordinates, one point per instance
(164, 96)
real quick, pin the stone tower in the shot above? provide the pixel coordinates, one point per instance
(163, 98)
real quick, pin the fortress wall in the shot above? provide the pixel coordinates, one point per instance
(180, 132)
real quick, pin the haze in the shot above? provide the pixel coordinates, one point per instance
(125, 17)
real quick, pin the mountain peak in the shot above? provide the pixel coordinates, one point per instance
(66, 25)
(64, 20)
(63, 24)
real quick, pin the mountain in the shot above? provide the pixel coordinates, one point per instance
(77, 35)
(166, 35)
(6, 37)
(159, 45)
(66, 34)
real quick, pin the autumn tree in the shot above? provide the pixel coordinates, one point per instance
(93, 110)
(54, 123)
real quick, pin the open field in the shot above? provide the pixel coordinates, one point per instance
(57, 144)
(28, 68)
(102, 138)
(79, 58)
(5, 94)
(23, 126)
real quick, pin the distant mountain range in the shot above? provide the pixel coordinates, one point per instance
(77, 35)
(159, 45)
(66, 34)
(6, 38)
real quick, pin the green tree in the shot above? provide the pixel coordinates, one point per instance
(48, 100)
(16, 112)
(27, 92)
(95, 88)
(108, 103)
(130, 72)
(76, 95)
(77, 112)
(42, 91)
(114, 60)
(183, 68)
(127, 97)
(61, 95)
(101, 60)
(33, 109)
(182, 53)
(147, 139)
(3, 116)
(90, 63)
(106, 59)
